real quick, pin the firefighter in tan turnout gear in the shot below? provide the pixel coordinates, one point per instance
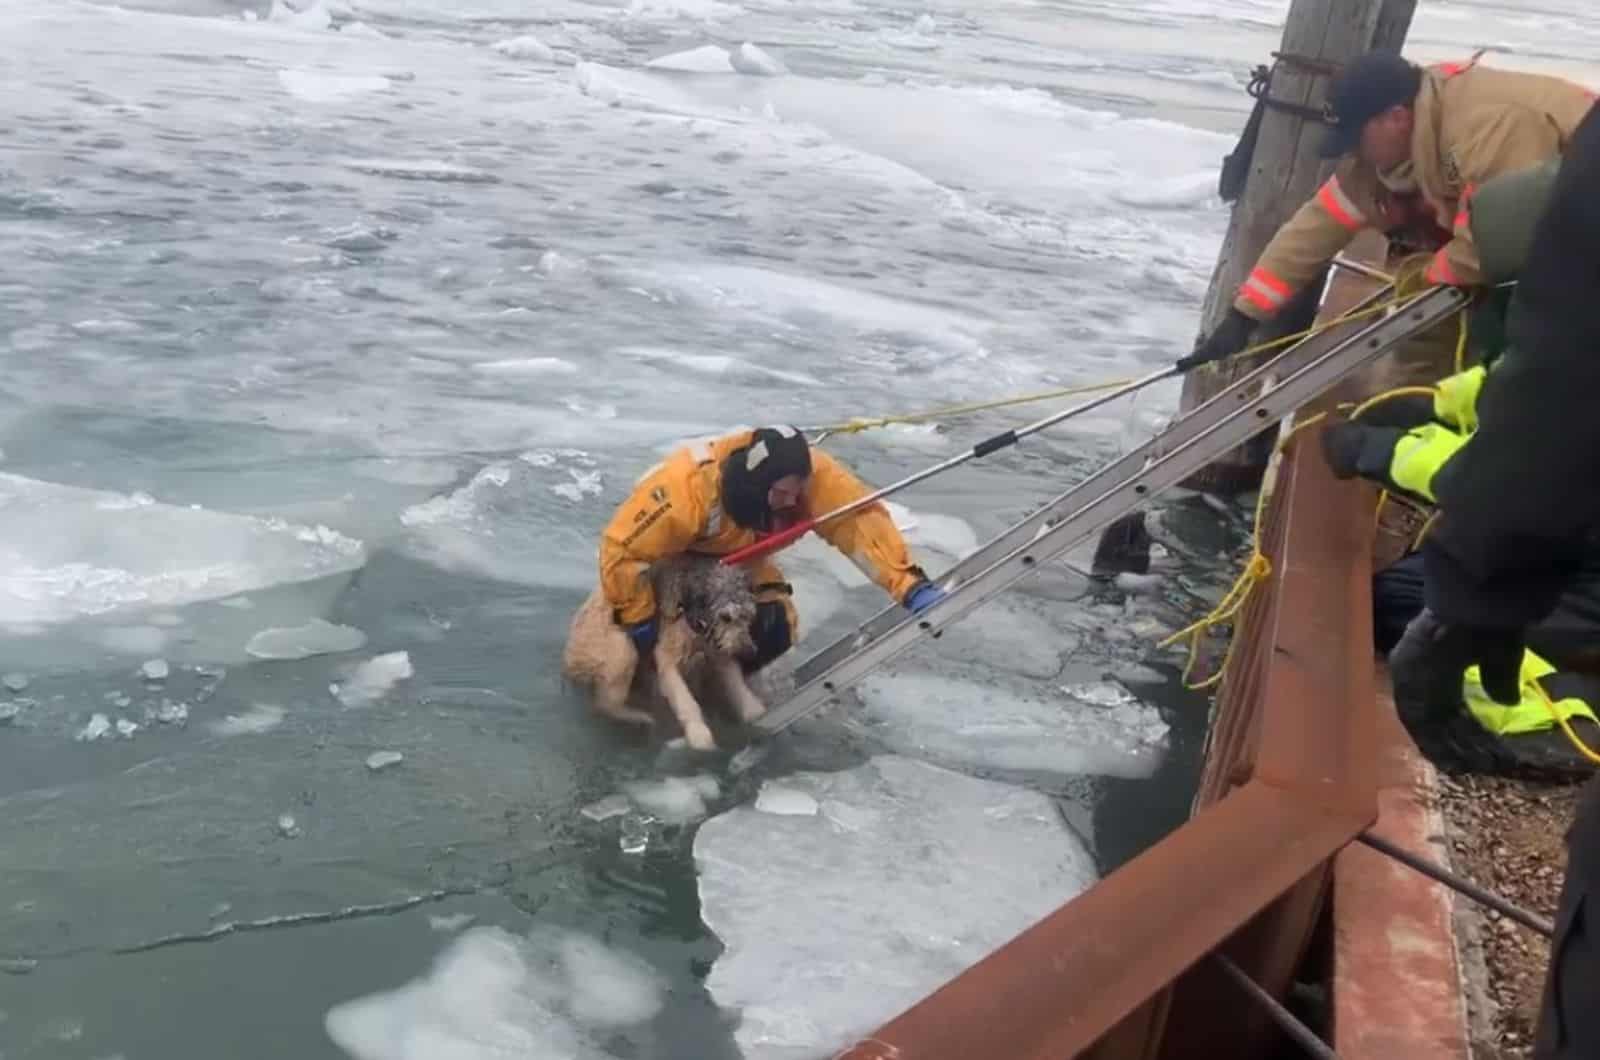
(1412, 141)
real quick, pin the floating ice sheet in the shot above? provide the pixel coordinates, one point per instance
(68, 552)
(836, 921)
(980, 721)
(493, 996)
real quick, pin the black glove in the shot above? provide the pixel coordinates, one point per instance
(1352, 448)
(1433, 656)
(1225, 340)
(1427, 668)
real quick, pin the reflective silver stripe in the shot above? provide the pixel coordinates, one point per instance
(1259, 293)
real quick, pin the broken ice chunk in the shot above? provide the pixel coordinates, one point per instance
(672, 799)
(493, 995)
(126, 728)
(1146, 584)
(15, 682)
(606, 808)
(155, 670)
(263, 717)
(785, 802)
(706, 785)
(943, 869)
(170, 713)
(1101, 694)
(634, 832)
(749, 59)
(316, 637)
(9, 712)
(370, 681)
(288, 827)
(384, 759)
(98, 726)
(451, 924)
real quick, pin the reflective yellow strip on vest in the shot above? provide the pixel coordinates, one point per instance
(1528, 716)
(1455, 398)
(1419, 454)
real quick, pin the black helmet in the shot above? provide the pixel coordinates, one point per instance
(751, 470)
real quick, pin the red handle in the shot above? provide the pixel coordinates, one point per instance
(769, 544)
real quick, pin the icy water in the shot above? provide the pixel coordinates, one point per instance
(333, 333)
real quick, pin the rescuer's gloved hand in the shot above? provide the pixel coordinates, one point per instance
(1432, 656)
(1401, 461)
(922, 597)
(1427, 668)
(1225, 340)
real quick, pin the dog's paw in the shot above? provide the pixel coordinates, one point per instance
(750, 709)
(700, 738)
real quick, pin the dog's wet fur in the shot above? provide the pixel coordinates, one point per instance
(704, 610)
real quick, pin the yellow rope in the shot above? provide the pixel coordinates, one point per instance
(862, 423)
(1461, 345)
(867, 423)
(1257, 569)
(1422, 533)
(1566, 727)
(1358, 411)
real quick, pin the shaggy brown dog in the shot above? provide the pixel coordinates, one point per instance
(705, 610)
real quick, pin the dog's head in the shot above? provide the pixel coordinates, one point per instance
(722, 609)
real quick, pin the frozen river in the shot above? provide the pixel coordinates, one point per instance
(332, 334)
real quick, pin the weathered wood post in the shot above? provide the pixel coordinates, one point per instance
(1284, 172)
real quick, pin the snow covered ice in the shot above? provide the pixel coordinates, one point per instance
(813, 959)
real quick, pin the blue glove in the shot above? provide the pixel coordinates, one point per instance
(923, 597)
(644, 634)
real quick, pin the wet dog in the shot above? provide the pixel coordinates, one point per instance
(705, 611)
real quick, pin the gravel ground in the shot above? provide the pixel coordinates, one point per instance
(1507, 835)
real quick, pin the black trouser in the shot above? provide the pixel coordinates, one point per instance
(1569, 1021)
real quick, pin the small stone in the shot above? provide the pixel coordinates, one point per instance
(384, 759)
(155, 670)
(15, 682)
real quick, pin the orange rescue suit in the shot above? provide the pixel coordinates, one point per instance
(676, 508)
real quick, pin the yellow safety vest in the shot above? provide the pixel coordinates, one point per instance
(1531, 714)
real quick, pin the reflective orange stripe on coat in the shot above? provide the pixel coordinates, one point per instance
(1440, 271)
(1265, 291)
(1332, 198)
